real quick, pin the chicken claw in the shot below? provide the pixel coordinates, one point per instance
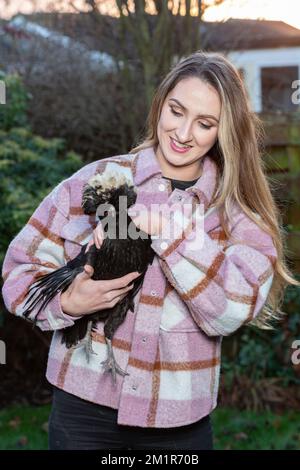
(86, 342)
(110, 363)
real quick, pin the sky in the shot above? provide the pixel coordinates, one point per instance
(287, 11)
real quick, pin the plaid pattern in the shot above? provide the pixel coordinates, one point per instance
(191, 297)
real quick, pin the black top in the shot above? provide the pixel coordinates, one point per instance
(181, 184)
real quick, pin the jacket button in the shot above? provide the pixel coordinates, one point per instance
(153, 293)
(134, 387)
(144, 340)
(164, 245)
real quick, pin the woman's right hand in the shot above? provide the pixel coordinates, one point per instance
(85, 296)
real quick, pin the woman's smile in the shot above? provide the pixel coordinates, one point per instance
(178, 148)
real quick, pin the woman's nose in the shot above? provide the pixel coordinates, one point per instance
(184, 133)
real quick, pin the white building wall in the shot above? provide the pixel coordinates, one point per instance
(253, 60)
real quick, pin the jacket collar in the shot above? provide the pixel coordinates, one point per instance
(146, 166)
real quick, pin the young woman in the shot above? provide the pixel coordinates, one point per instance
(200, 149)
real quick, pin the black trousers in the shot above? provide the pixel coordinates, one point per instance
(75, 423)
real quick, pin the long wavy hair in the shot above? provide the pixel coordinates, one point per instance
(238, 155)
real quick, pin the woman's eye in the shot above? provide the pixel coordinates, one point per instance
(174, 112)
(205, 126)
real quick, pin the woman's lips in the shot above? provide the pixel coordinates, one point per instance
(178, 149)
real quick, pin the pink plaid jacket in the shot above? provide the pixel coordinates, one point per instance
(191, 297)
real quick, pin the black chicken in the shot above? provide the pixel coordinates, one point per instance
(117, 256)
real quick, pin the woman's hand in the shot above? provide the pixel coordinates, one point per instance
(150, 222)
(85, 296)
(98, 237)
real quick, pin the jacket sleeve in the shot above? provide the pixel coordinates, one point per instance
(36, 250)
(226, 285)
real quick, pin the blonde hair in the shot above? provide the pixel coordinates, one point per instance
(237, 153)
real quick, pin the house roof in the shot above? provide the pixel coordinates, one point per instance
(236, 34)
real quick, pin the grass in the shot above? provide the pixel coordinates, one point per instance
(25, 427)
(246, 430)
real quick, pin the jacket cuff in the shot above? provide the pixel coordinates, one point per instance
(53, 317)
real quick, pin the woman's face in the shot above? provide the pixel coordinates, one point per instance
(190, 115)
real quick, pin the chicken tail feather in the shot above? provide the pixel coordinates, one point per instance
(45, 289)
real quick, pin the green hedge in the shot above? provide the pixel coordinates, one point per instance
(30, 165)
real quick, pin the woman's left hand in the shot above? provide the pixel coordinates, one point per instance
(98, 237)
(150, 222)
